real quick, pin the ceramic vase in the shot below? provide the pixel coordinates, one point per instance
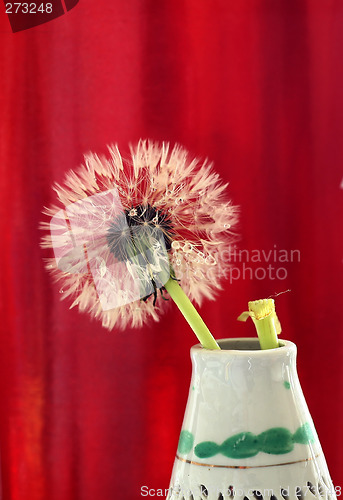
(247, 431)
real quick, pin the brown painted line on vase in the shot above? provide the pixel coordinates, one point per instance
(244, 466)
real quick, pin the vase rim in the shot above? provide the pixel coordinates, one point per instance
(245, 345)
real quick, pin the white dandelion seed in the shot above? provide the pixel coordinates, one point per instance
(181, 205)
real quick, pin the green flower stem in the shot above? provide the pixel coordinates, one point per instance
(266, 333)
(266, 322)
(191, 314)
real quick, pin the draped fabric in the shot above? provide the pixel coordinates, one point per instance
(255, 86)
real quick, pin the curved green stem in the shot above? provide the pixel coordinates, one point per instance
(191, 314)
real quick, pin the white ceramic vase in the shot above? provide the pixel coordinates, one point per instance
(247, 431)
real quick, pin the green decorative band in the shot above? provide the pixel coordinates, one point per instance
(186, 442)
(244, 466)
(274, 441)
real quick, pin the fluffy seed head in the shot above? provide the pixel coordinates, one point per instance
(158, 189)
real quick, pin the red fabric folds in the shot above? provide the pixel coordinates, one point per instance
(256, 87)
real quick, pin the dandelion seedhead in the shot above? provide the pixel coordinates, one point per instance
(123, 227)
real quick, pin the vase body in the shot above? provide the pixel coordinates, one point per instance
(247, 431)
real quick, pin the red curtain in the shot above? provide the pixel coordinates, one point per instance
(256, 86)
